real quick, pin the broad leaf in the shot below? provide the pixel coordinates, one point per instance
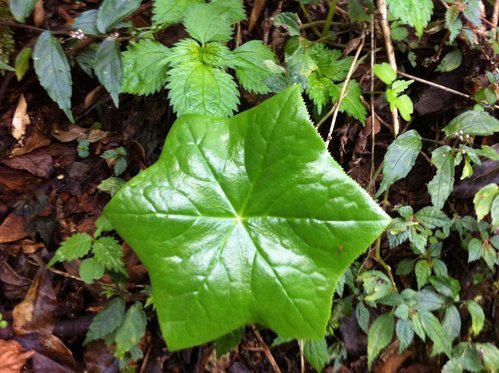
(483, 200)
(111, 12)
(108, 68)
(290, 21)
(250, 64)
(400, 158)
(240, 221)
(232, 9)
(87, 22)
(490, 355)
(442, 183)
(436, 332)
(472, 122)
(91, 270)
(405, 334)
(131, 330)
(168, 12)
(416, 13)
(380, 335)
(477, 316)
(451, 61)
(385, 72)
(196, 88)
(205, 23)
(21, 9)
(452, 322)
(108, 252)
(432, 218)
(53, 70)
(317, 354)
(107, 321)
(76, 246)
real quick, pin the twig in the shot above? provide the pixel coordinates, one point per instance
(309, 19)
(32, 28)
(301, 344)
(336, 107)
(495, 18)
(373, 113)
(439, 86)
(385, 27)
(266, 350)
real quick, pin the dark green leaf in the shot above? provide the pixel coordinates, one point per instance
(436, 332)
(452, 322)
(131, 330)
(111, 12)
(21, 9)
(405, 267)
(290, 21)
(90, 270)
(474, 250)
(490, 355)
(245, 206)
(107, 321)
(417, 326)
(205, 23)
(108, 68)
(87, 22)
(362, 315)
(405, 334)
(54, 73)
(108, 252)
(400, 158)
(428, 300)
(451, 61)
(423, 272)
(356, 11)
(380, 335)
(442, 183)
(432, 217)
(352, 103)
(316, 353)
(472, 122)
(228, 341)
(76, 246)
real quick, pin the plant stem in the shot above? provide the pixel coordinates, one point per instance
(309, 19)
(386, 267)
(329, 17)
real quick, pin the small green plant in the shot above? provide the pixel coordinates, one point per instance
(116, 158)
(393, 95)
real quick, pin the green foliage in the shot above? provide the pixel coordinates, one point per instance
(472, 122)
(442, 183)
(400, 158)
(108, 67)
(116, 158)
(379, 336)
(21, 9)
(53, 70)
(227, 221)
(450, 62)
(3, 323)
(290, 21)
(416, 13)
(131, 331)
(22, 62)
(317, 354)
(111, 12)
(167, 12)
(477, 316)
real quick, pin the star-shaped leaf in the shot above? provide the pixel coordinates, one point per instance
(245, 220)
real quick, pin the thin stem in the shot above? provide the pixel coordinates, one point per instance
(309, 19)
(329, 18)
(32, 28)
(266, 350)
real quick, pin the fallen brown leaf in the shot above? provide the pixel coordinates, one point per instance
(39, 15)
(20, 120)
(38, 163)
(12, 228)
(12, 357)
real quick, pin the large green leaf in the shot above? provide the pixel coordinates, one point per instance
(442, 183)
(400, 158)
(53, 70)
(167, 12)
(21, 9)
(472, 122)
(111, 12)
(207, 22)
(241, 221)
(108, 68)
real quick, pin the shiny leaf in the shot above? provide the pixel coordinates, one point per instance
(240, 221)
(472, 122)
(111, 12)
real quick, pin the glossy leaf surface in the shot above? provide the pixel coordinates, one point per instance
(240, 221)
(472, 122)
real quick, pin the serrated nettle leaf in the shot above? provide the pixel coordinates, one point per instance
(452, 322)
(402, 311)
(474, 250)
(454, 365)
(108, 252)
(432, 217)
(405, 211)
(379, 336)
(328, 61)
(316, 353)
(362, 315)
(400, 158)
(436, 332)
(196, 88)
(318, 90)
(472, 122)
(490, 355)
(442, 183)
(108, 68)
(53, 71)
(106, 321)
(205, 23)
(418, 241)
(416, 13)
(453, 22)
(404, 105)
(385, 72)
(145, 67)
(250, 62)
(290, 21)
(399, 86)
(470, 357)
(405, 334)
(131, 330)
(351, 103)
(76, 246)
(233, 9)
(245, 207)
(423, 272)
(477, 316)
(87, 22)
(446, 286)
(21, 9)
(451, 61)
(112, 12)
(169, 12)
(22, 62)
(483, 200)
(91, 270)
